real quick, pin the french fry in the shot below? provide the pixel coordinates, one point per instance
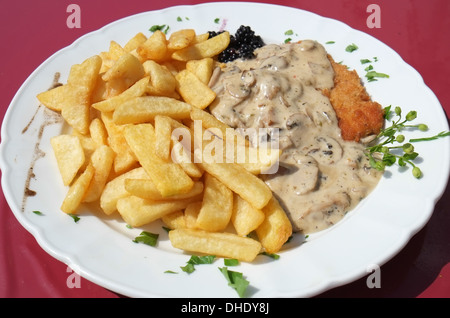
(221, 244)
(191, 213)
(70, 156)
(163, 131)
(162, 82)
(102, 160)
(217, 206)
(81, 82)
(154, 48)
(126, 71)
(183, 157)
(193, 90)
(146, 189)
(136, 90)
(125, 159)
(169, 178)
(240, 181)
(180, 39)
(144, 109)
(208, 48)
(137, 211)
(245, 217)
(98, 132)
(135, 42)
(115, 189)
(276, 228)
(77, 190)
(55, 98)
(201, 68)
(174, 220)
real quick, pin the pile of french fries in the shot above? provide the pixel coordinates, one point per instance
(123, 106)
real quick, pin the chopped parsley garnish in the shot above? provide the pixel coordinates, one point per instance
(231, 262)
(38, 213)
(147, 238)
(330, 42)
(197, 260)
(216, 20)
(289, 32)
(75, 217)
(179, 19)
(272, 255)
(371, 75)
(163, 27)
(235, 280)
(352, 47)
(365, 61)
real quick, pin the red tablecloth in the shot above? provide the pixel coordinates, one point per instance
(418, 30)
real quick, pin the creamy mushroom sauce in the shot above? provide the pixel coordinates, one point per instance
(320, 176)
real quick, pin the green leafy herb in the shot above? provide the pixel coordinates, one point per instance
(235, 280)
(230, 262)
(216, 20)
(440, 135)
(371, 75)
(75, 217)
(287, 40)
(330, 42)
(272, 255)
(147, 238)
(352, 47)
(170, 272)
(179, 19)
(289, 32)
(365, 61)
(391, 147)
(163, 27)
(197, 260)
(38, 213)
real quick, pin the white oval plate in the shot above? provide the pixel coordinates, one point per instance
(101, 249)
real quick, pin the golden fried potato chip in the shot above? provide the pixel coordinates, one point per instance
(227, 245)
(208, 48)
(180, 39)
(77, 190)
(136, 90)
(174, 220)
(203, 68)
(144, 109)
(55, 98)
(137, 211)
(115, 189)
(162, 82)
(125, 159)
(146, 189)
(169, 178)
(193, 90)
(82, 81)
(135, 42)
(276, 228)
(102, 160)
(217, 206)
(245, 217)
(69, 155)
(154, 48)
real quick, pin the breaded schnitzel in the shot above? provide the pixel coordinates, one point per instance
(358, 115)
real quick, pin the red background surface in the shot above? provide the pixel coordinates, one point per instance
(418, 30)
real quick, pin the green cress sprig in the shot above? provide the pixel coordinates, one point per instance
(391, 147)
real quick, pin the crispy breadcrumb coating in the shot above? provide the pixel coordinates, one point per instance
(358, 115)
